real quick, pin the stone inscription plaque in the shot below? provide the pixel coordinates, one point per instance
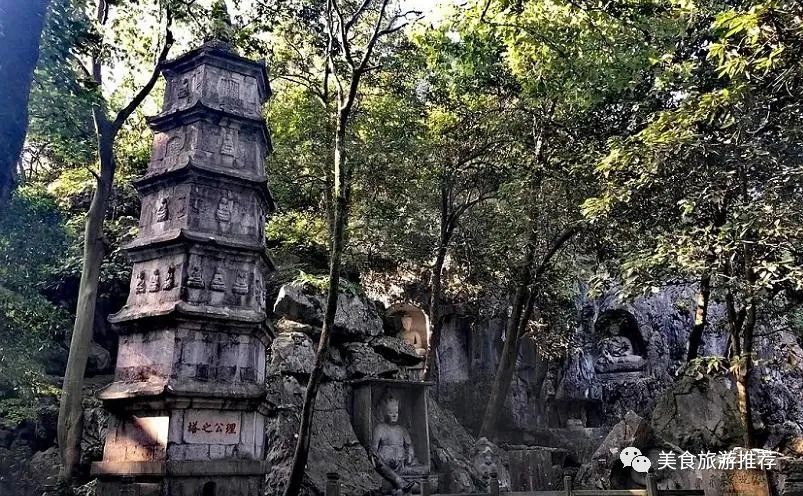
(211, 427)
(735, 483)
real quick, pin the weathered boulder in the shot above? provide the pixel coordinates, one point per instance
(631, 431)
(363, 361)
(99, 360)
(333, 448)
(356, 318)
(451, 449)
(284, 325)
(45, 466)
(396, 349)
(698, 414)
(291, 353)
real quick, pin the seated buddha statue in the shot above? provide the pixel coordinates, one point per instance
(392, 450)
(617, 354)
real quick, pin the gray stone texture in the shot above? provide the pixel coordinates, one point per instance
(698, 414)
(356, 319)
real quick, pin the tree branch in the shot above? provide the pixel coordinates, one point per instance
(135, 102)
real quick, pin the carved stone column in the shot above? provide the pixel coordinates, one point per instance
(188, 396)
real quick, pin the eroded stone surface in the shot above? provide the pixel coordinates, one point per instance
(698, 415)
(356, 318)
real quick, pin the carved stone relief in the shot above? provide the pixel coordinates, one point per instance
(212, 356)
(163, 212)
(224, 211)
(173, 149)
(155, 284)
(241, 283)
(229, 139)
(218, 280)
(170, 278)
(140, 285)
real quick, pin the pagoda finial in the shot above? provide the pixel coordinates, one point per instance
(222, 29)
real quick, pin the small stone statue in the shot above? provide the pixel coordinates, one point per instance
(392, 449)
(170, 279)
(140, 287)
(240, 284)
(258, 296)
(223, 213)
(196, 278)
(163, 212)
(183, 88)
(410, 336)
(617, 353)
(218, 281)
(228, 142)
(155, 284)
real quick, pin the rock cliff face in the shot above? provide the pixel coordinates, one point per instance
(573, 403)
(360, 349)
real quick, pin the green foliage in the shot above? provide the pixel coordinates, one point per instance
(707, 366)
(320, 284)
(33, 244)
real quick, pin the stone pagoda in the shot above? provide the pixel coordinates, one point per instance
(187, 401)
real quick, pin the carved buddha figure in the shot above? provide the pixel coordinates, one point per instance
(218, 281)
(155, 284)
(228, 142)
(392, 447)
(140, 287)
(617, 354)
(196, 279)
(183, 88)
(411, 336)
(163, 212)
(240, 283)
(223, 213)
(258, 296)
(170, 278)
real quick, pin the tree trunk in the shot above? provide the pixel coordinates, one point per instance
(700, 317)
(70, 410)
(21, 24)
(743, 378)
(447, 226)
(301, 453)
(510, 352)
(504, 371)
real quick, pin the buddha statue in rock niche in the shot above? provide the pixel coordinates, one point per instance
(617, 353)
(411, 336)
(392, 449)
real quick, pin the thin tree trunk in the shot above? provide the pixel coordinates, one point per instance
(743, 377)
(70, 410)
(436, 287)
(507, 364)
(497, 400)
(301, 452)
(700, 316)
(21, 23)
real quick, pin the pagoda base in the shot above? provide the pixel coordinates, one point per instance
(181, 478)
